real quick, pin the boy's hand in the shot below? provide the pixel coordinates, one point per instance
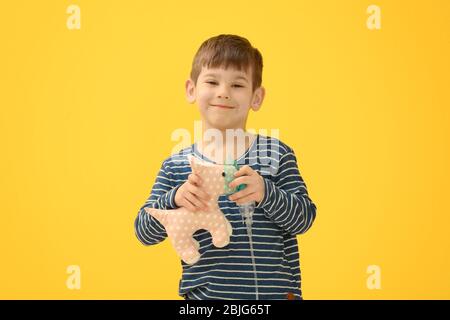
(254, 191)
(191, 196)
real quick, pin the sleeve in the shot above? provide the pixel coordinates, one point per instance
(148, 230)
(286, 201)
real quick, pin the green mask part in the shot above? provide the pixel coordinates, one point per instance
(230, 168)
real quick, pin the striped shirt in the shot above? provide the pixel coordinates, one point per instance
(229, 273)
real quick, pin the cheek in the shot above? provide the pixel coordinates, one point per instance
(244, 98)
(205, 95)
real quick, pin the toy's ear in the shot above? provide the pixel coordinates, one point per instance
(197, 165)
(192, 162)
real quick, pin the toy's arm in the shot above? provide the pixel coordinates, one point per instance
(148, 229)
(286, 200)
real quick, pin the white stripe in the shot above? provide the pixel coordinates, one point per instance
(240, 264)
(240, 257)
(235, 285)
(237, 271)
(236, 278)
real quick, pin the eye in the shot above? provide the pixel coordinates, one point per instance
(223, 174)
(211, 82)
(238, 86)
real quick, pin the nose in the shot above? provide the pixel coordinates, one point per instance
(223, 93)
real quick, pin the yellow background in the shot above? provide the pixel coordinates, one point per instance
(86, 118)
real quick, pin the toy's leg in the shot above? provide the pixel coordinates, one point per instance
(221, 234)
(189, 252)
(229, 228)
(197, 245)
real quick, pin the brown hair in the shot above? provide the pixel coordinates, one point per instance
(228, 50)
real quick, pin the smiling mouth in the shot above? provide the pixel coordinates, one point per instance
(222, 106)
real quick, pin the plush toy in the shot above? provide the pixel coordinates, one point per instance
(181, 224)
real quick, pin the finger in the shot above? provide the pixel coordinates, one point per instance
(188, 205)
(202, 195)
(240, 180)
(245, 170)
(196, 202)
(199, 193)
(243, 193)
(194, 179)
(246, 199)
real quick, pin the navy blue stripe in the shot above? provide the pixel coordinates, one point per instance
(228, 273)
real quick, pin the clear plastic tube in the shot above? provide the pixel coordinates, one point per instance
(246, 211)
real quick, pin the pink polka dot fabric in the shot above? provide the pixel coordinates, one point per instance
(181, 224)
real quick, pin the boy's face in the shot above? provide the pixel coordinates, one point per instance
(224, 97)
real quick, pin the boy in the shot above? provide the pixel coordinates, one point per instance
(225, 82)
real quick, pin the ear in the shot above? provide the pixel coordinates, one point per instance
(258, 98)
(190, 91)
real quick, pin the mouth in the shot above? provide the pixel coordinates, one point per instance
(221, 106)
